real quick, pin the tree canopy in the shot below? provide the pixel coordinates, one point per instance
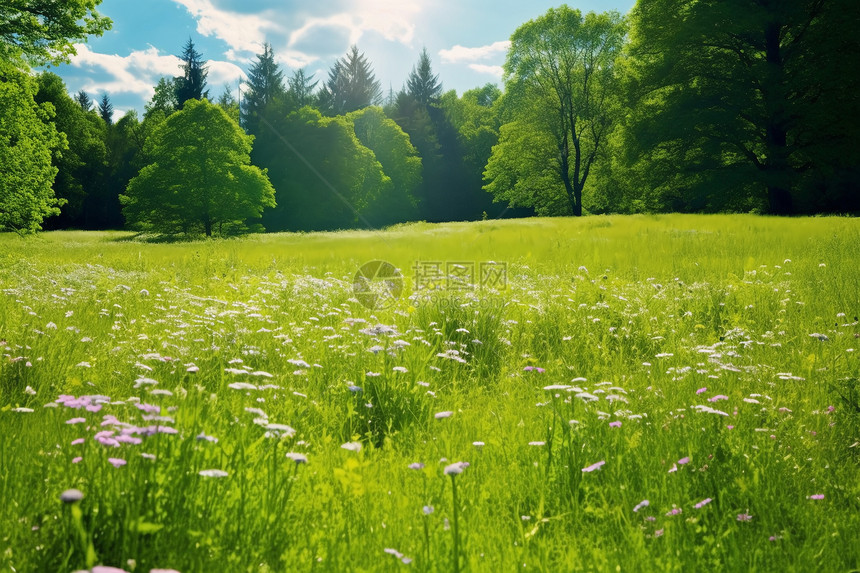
(192, 83)
(41, 31)
(199, 179)
(560, 77)
(27, 141)
(351, 85)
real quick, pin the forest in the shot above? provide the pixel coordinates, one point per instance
(710, 106)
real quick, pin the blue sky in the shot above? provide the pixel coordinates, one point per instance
(466, 40)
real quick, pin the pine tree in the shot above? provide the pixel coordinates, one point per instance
(302, 88)
(84, 101)
(264, 89)
(106, 109)
(192, 84)
(351, 85)
(422, 84)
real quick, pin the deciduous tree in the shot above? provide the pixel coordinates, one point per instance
(199, 179)
(560, 80)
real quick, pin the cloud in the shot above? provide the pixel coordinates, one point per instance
(138, 72)
(485, 69)
(241, 32)
(461, 54)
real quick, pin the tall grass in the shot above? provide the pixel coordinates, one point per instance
(696, 357)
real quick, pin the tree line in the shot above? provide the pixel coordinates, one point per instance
(681, 105)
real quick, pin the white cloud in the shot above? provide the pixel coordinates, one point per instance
(138, 72)
(461, 54)
(485, 69)
(241, 32)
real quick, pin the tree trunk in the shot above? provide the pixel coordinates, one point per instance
(777, 170)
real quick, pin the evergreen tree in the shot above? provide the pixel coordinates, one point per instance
(228, 103)
(422, 84)
(164, 98)
(301, 89)
(351, 85)
(264, 90)
(106, 109)
(192, 84)
(84, 101)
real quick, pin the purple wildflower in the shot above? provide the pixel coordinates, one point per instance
(117, 462)
(703, 503)
(416, 466)
(815, 496)
(744, 517)
(615, 424)
(718, 397)
(684, 460)
(641, 504)
(701, 390)
(456, 468)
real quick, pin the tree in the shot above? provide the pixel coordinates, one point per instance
(301, 89)
(192, 84)
(84, 100)
(746, 105)
(164, 98)
(199, 178)
(351, 85)
(395, 203)
(45, 32)
(80, 167)
(27, 141)
(106, 110)
(264, 90)
(560, 78)
(228, 103)
(422, 84)
(325, 178)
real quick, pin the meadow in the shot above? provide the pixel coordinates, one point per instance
(645, 393)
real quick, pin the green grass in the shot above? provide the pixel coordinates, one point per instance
(637, 312)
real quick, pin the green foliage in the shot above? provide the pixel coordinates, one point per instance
(27, 141)
(351, 85)
(395, 203)
(164, 99)
(561, 80)
(43, 32)
(741, 106)
(422, 84)
(324, 177)
(301, 89)
(199, 177)
(105, 109)
(192, 83)
(265, 94)
(80, 167)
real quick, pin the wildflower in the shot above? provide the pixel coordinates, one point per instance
(537, 369)
(352, 446)
(456, 468)
(674, 511)
(703, 503)
(117, 462)
(659, 532)
(354, 389)
(440, 415)
(592, 467)
(298, 458)
(201, 437)
(71, 496)
(744, 517)
(684, 460)
(641, 504)
(213, 473)
(77, 460)
(701, 390)
(615, 424)
(815, 496)
(718, 397)
(537, 443)
(78, 442)
(416, 466)
(427, 509)
(478, 444)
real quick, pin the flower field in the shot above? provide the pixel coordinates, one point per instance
(672, 393)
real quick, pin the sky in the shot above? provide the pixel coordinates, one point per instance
(466, 40)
